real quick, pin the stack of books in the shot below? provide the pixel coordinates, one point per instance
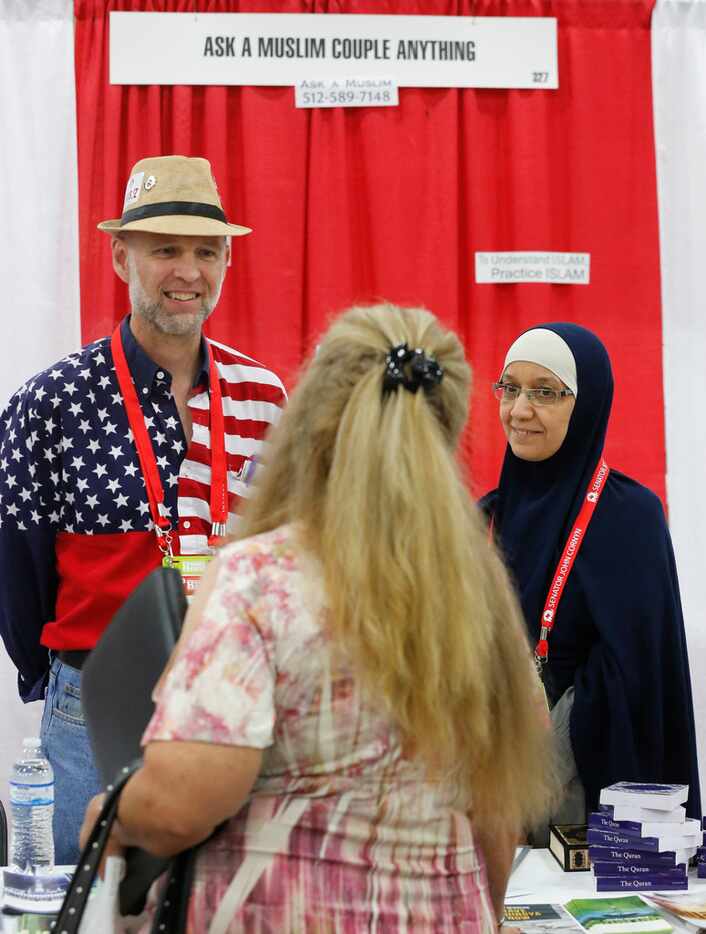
(640, 838)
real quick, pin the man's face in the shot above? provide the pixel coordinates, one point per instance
(174, 281)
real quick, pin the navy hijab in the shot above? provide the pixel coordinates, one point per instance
(618, 637)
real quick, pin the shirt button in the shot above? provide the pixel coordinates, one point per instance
(160, 375)
(145, 390)
(187, 524)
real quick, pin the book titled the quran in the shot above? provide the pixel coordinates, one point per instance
(632, 871)
(598, 820)
(628, 856)
(659, 881)
(628, 812)
(659, 844)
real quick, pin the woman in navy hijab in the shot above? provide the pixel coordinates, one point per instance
(617, 673)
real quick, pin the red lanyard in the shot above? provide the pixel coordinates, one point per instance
(566, 562)
(145, 451)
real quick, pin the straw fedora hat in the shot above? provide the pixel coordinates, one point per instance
(173, 195)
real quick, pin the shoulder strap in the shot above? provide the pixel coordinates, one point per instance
(69, 918)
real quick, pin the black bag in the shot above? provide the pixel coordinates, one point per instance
(116, 696)
(171, 915)
(120, 673)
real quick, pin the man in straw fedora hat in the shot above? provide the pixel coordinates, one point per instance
(133, 451)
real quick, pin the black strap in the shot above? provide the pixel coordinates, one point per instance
(74, 658)
(164, 208)
(74, 905)
(3, 836)
(173, 908)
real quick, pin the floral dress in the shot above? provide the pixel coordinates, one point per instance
(340, 834)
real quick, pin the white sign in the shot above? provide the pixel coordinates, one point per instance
(132, 189)
(286, 48)
(346, 92)
(557, 268)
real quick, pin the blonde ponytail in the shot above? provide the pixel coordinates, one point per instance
(418, 595)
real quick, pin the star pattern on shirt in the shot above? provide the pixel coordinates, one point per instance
(67, 457)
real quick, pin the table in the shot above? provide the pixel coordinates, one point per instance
(540, 879)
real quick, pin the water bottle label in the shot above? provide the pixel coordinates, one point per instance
(31, 795)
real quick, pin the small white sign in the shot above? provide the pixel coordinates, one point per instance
(519, 266)
(132, 189)
(346, 92)
(286, 48)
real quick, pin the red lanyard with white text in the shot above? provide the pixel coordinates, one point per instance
(148, 462)
(566, 562)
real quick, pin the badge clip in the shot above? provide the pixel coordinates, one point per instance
(164, 543)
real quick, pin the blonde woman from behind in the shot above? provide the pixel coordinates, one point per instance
(353, 694)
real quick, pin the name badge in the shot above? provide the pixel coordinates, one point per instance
(191, 568)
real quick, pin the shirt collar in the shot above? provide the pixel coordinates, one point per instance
(145, 372)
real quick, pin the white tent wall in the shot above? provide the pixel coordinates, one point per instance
(38, 237)
(679, 92)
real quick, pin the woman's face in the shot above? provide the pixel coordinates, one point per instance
(534, 432)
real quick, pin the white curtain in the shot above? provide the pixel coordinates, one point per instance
(679, 91)
(38, 236)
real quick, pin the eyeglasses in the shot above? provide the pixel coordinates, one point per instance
(508, 392)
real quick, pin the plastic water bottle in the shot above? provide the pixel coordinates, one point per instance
(32, 809)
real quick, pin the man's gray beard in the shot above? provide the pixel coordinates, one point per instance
(180, 325)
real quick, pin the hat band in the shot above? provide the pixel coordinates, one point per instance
(192, 208)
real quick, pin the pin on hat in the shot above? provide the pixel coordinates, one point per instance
(173, 195)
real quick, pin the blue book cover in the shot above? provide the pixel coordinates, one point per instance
(603, 821)
(657, 881)
(633, 813)
(611, 838)
(689, 829)
(632, 841)
(618, 854)
(636, 870)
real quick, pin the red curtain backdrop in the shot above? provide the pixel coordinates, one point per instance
(353, 205)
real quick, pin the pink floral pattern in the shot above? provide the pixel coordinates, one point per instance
(375, 846)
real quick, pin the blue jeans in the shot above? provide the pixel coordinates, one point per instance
(66, 746)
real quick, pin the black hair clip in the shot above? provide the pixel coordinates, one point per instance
(424, 371)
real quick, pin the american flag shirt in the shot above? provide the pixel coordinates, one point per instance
(76, 534)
